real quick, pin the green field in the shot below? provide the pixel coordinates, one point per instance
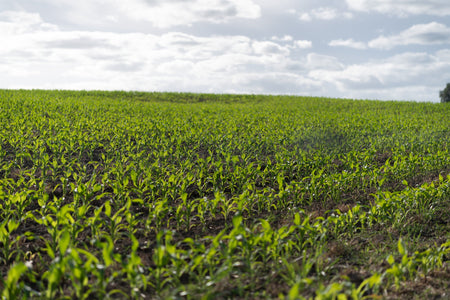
(117, 195)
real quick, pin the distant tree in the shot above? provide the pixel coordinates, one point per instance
(445, 94)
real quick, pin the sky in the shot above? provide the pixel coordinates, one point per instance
(358, 49)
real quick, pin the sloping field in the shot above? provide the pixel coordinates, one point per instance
(115, 195)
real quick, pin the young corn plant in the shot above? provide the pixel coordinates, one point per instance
(134, 271)
(158, 215)
(162, 258)
(114, 223)
(8, 248)
(405, 269)
(12, 287)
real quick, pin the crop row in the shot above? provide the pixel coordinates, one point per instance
(241, 251)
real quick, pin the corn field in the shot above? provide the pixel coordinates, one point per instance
(133, 195)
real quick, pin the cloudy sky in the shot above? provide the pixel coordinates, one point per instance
(365, 49)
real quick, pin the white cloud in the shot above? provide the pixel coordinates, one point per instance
(176, 67)
(305, 17)
(348, 43)
(39, 57)
(322, 13)
(269, 48)
(325, 13)
(303, 44)
(18, 22)
(160, 13)
(285, 38)
(35, 54)
(403, 76)
(172, 13)
(402, 7)
(293, 44)
(421, 34)
(316, 61)
(282, 82)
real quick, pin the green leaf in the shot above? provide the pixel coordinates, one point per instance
(107, 208)
(375, 280)
(401, 247)
(237, 221)
(107, 251)
(335, 288)
(265, 225)
(297, 219)
(12, 225)
(64, 242)
(405, 259)
(390, 259)
(49, 250)
(14, 273)
(184, 197)
(134, 243)
(280, 179)
(294, 292)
